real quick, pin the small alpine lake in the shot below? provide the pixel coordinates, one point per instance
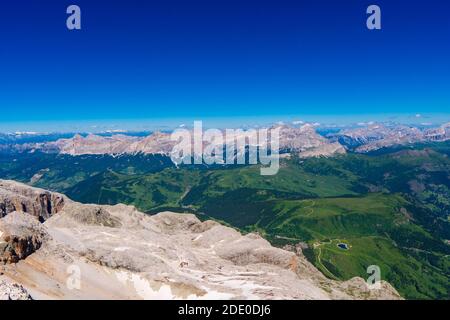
(343, 246)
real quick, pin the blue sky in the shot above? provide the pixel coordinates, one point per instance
(222, 58)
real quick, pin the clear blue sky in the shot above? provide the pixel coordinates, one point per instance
(188, 58)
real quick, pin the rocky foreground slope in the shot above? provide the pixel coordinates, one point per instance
(54, 248)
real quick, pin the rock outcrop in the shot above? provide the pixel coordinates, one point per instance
(307, 142)
(20, 235)
(116, 252)
(37, 202)
(13, 291)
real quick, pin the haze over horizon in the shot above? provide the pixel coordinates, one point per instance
(143, 125)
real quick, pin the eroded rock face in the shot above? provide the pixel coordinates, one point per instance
(439, 134)
(36, 202)
(94, 215)
(117, 252)
(20, 235)
(306, 142)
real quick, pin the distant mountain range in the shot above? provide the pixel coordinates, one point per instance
(378, 136)
(303, 140)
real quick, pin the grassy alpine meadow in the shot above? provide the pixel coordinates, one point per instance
(372, 230)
